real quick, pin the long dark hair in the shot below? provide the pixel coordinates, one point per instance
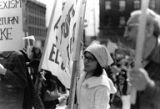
(99, 70)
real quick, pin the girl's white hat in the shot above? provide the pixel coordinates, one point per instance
(101, 53)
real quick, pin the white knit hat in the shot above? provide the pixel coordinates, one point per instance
(101, 54)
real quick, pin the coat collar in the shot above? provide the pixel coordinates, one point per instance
(103, 80)
(5, 54)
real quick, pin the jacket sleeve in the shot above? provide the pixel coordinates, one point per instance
(154, 91)
(153, 70)
(102, 98)
(16, 74)
(36, 100)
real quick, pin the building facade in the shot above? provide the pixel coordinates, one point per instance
(34, 14)
(115, 13)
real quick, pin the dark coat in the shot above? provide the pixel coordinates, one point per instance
(13, 83)
(16, 88)
(150, 97)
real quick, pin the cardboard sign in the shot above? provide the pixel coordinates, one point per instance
(11, 26)
(51, 59)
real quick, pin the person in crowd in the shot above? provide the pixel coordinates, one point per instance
(16, 88)
(32, 55)
(120, 74)
(146, 79)
(34, 62)
(94, 86)
(52, 91)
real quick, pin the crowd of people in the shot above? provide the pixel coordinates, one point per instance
(144, 79)
(102, 84)
(18, 81)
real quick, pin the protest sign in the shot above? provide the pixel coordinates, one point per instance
(11, 26)
(67, 30)
(51, 59)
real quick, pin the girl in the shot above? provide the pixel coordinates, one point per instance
(94, 87)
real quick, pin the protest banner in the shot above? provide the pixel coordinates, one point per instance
(69, 41)
(66, 30)
(11, 25)
(51, 59)
(66, 33)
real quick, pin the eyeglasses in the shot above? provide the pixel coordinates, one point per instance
(89, 58)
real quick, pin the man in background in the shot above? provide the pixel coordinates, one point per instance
(146, 80)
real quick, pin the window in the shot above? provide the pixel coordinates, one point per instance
(136, 4)
(31, 19)
(108, 21)
(30, 30)
(152, 4)
(107, 5)
(122, 21)
(122, 5)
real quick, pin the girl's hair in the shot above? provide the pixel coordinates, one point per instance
(98, 71)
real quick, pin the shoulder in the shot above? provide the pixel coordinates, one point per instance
(17, 54)
(102, 82)
(9, 54)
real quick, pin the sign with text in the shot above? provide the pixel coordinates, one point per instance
(11, 26)
(51, 59)
(60, 44)
(67, 31)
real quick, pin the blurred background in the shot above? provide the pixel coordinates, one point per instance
(105, 20)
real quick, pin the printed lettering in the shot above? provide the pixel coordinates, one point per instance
(10, 4)
(9, 20)
(56, 25)
(62, 66)
(54, 54)
(5, 33)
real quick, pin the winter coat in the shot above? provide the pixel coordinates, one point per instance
(16, 88)
(94, 92)
(13, 83)
(150, 97)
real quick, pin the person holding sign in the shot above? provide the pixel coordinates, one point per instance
(16, 88)
(146, 79)
(53, 92)
(94, 86)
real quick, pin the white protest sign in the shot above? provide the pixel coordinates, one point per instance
(61, 41)
(66, 33)
(51, 59)
(11, 28)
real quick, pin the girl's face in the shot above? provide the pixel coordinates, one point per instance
(90, 62)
